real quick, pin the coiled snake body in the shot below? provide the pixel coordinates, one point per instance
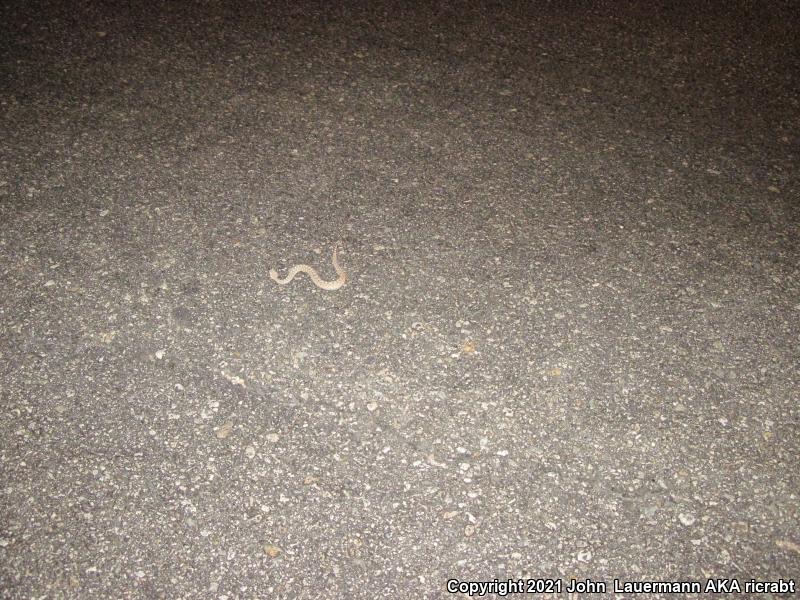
(312, 273)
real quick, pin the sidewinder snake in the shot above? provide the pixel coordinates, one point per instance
(312, 273)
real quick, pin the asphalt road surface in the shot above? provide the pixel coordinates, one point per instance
(569, 342)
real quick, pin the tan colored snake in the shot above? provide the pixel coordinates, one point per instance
(312, 273)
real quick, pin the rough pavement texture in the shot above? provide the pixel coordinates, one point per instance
(568, 346)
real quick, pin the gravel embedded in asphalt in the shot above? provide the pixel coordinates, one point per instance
(568, 343)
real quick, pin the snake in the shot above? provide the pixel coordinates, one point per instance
(312, 273)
